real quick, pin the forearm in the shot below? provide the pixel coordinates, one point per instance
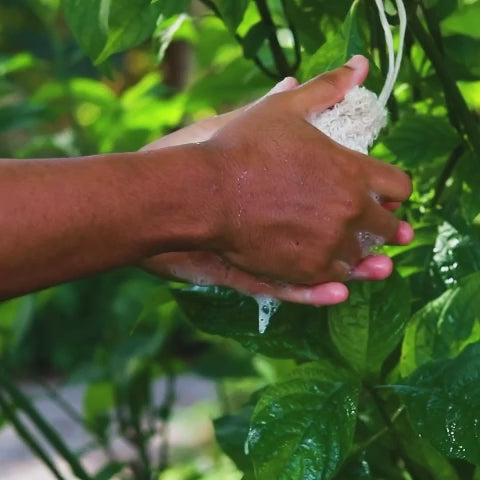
(67, 218)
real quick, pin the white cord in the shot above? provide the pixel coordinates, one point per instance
(383, 98)
(402, 14)
(394, 64)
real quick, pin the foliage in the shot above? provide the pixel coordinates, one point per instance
(384, 386)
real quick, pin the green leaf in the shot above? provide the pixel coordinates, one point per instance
(464, 20)
(166, 31)
(463, 53)
(420, 139)
(232, 12)
(367, 327)
(329, 56)
(421, 451)
(231, 432)
(103, 28)
(443, 402)
(307, 23)
(302, 428)
(356, 41)
(441, 8)
(227, 313)
(16, 63)
(98, 400)
(130, 22)
(15, 319)
(443, 327)
(83, 17)
(109, 471)
(469, 176)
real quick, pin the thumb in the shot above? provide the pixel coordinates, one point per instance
(326, 90)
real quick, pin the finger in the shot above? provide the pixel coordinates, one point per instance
(404, 235)
(388, 181)
(376, 267)
(392, 206)
(288, 83)
(330, 88)
(325, 294)
(319, 295)
(380, 222)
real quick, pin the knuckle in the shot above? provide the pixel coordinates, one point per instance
(332, 84)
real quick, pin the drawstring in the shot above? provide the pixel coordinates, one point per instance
(393, 63)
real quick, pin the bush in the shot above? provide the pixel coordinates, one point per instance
(384, 386)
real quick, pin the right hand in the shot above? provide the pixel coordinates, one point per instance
(292, 200)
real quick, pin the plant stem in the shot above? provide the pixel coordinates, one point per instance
(296, 41)
(380, 404)
(27, 438)
(369, 441)
(283, 68)
(456, 102)
(447, 173)
(22, 402)
(65, 406)
(213, 7)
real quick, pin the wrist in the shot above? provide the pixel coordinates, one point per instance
(187, 203)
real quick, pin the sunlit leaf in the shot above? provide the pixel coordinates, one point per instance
(420, 139)
(443, 327)
(443, 402)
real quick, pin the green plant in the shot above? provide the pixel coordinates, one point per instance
(384, 386)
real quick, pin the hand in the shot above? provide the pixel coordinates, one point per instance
(208, 268)
(205, 267)
(293, 199)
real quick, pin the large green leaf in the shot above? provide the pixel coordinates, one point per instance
(367, 327)
(443, 327)
(441, 8)
(302, 428)
(443, 402)
(232, 12)
(463, 53)
(106, 27)
(355, 38)
(295, 331)
(329, 56)
(464, 20)
(420, 139)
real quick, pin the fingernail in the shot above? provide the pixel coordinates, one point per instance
(356, 62)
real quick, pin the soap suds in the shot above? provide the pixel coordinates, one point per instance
(267, 306)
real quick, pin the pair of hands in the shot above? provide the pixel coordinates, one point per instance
(292, 199)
